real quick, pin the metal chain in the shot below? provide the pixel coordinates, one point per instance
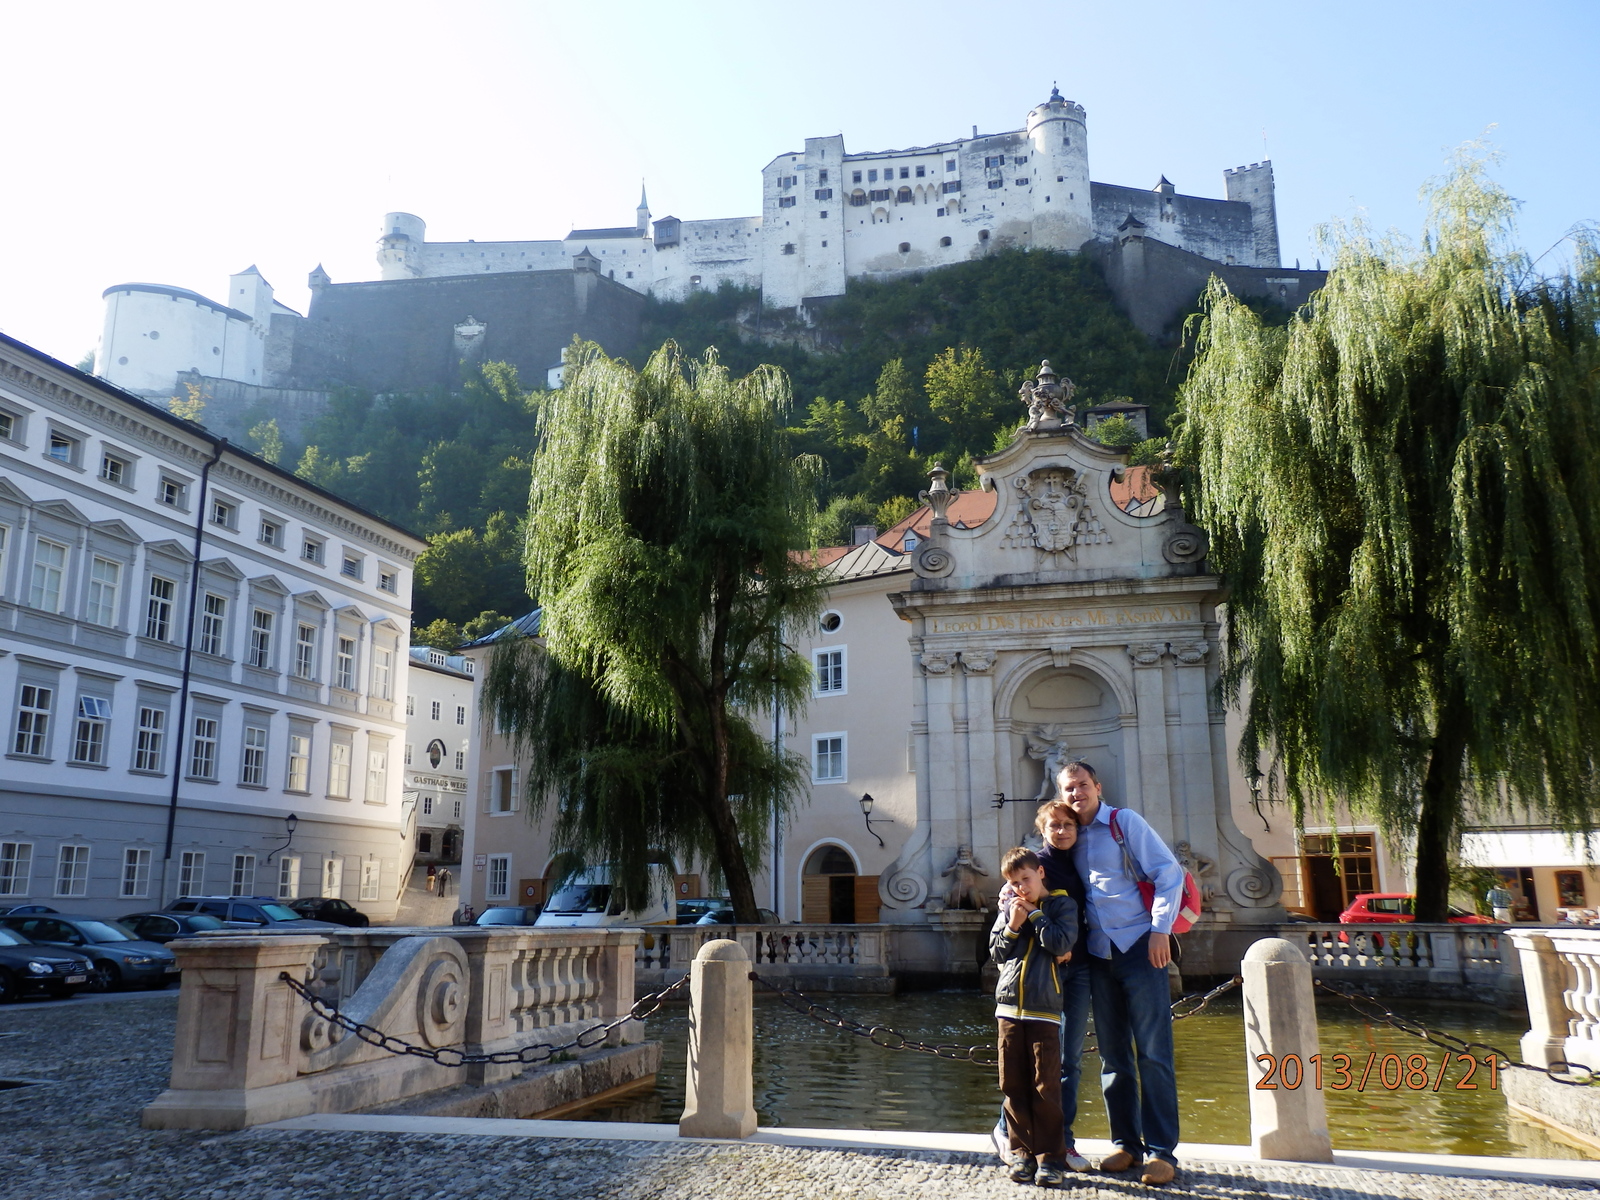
(1373, 1010)
(448, 1056)
(986, 1054)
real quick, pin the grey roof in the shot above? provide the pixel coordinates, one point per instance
(621, 231)
(526, 625)
(162, 289)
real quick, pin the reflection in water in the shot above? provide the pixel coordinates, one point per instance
(809, 1075)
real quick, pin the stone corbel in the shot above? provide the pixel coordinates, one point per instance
(1147, 654)
(977, 662)
(936, 663)
(1191, 654)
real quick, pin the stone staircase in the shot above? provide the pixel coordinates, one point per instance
(419, 906)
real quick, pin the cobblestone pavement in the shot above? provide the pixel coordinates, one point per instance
(77, 1137)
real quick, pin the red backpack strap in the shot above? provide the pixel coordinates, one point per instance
(1116, 833)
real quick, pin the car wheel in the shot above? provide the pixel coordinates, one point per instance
(104, 977)
(9, 990)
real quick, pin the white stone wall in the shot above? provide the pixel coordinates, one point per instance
(442, 791)
(150, 335)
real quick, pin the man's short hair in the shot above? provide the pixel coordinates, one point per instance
(1078, 764)
(1018, 857)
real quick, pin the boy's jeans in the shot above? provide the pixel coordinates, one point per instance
(1132, 1007)
(1030, 1079)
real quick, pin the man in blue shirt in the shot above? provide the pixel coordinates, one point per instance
(1129, 947)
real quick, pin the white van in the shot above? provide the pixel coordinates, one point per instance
(585, 901)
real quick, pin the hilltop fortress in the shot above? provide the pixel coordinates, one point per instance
(828, 216)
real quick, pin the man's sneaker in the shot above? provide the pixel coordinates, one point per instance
(1119, 1161)
(1074, 1160)
(1157, 1171)
(1049, 1175)
(1023, 1168)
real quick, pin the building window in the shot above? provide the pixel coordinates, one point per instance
(305, 652)
(411, 706)
(996, 183)
(62, 448)
(788, 247)
(345, 664)
(271, 532)
(369, 880)
(436, 658)
(105, 577)
(983, 235)
(952, 185)
(855, 176)
(408, 754)
(461, 760)
(158, 609)
(878, 195)
(461, 714)
(903, 196)
(1019, 159)
(388, 581)
(288, 878)
(381, 673)
(503, 792)
(499, 877)
(786, 201)
(910, 542)
(332, 878)
(203, 749)
(244, 875)
(949, 164)
(16, 868)
(827, 758)
(427, 805)
(829, 666)
(49, 565)
(434, 710)
(33, 721)
(787, 181)
(1020, 182)
(261, 639)
(944, 241)
(224, 514)
(213, 624)
(311, 550)
(89, 739)
(147, 744)
(456, 807)
(253, 765)
(299, 762)
(8, 431)
(113, 470)
(922, 171)
(378, 776)
(171, 492)
(135, 873)
(822, 175)
(995, 160)
(823, 194)
(350, 568)
(72, 871)
(5, 541)
(192, 873)
(339, 771)
(905, 247)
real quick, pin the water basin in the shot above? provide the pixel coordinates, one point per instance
(809, 1075)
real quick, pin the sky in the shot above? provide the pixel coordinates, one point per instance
(178, 143)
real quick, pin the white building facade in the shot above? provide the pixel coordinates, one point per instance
(195, 646)
(441, 713)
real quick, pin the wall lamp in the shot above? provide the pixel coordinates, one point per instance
(866, 813)
(289, 824)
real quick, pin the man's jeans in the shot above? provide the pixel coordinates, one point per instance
(1132, 1008)
(1074, 1028)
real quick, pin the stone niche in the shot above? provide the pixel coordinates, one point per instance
(1063, 627)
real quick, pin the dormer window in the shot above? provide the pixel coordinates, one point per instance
(910, 542)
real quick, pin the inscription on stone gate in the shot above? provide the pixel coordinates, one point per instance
(1065, 618)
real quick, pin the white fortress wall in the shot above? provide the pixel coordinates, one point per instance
(152, 332)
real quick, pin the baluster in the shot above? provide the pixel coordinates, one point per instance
(852, 947)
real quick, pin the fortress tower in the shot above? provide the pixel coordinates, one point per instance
(400, 247)
(1252, 185)
(642, 214)
(1062, 216)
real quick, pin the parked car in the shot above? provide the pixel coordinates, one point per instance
(117, 955)
(724, 916)
(1391, 908)
(324, 908)
(258, 914)
(509, 914)
(690, 911)
(19, 909)
(26, 969)
(163, 927)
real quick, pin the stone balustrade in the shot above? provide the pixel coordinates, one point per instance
(1561, 972)
(248, 1050)
(1472, 956)
(821, 954)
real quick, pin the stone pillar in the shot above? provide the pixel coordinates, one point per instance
(1544, 979)
(1280, 1020)
(982, 781)
(944, 826)
(1195, 811)
(617, 955)
(238, 1032)
(719, 1092)
(1154, 802)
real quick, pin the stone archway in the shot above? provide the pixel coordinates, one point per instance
(828, 885)
(1053, 715)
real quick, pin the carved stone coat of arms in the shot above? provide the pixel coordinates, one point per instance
(1053, 513)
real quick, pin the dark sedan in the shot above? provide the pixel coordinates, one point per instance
(164, 927)
(256, 914)
(26, 969)
(118, 956)
(509, 914)
(724, 916)
(324, 908)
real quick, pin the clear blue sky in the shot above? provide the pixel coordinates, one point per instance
(176, 143)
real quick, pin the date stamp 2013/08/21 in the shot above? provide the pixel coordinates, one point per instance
(1392, 1072)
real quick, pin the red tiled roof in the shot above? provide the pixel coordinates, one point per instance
(966, 511)
(1134, 488)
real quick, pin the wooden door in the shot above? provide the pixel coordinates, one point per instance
(867, 899)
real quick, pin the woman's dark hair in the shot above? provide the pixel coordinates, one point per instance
(1078, 764)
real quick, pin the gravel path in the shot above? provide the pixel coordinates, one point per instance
(78, 1138)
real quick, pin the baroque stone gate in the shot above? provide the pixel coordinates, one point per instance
(1063, 627)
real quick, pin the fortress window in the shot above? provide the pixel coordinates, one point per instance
(630, 274)
(824, 215)
(944, 241)
(1061, 178)
(949, 164)
(983, 235)
(995, 160)
(786, 181)
(1020, 159)
(858, 198)
(905, 247)
(1066, 141)
(940, 213)
(905, 172)
(822, 176)
(878, 195)
(855, 176)
(921, 171)
(785, 201)
(824, 194)
(996, 183)
(903, 196)
(872, 176)
(155, 334)
(952, 185)
(788, 247)
(1022, 183)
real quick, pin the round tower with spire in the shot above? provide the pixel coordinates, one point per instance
(1062, 218)
(642, 213)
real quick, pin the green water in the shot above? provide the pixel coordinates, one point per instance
(808, 1075)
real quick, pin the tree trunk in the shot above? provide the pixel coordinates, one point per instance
(1439, 818)
(730, 855)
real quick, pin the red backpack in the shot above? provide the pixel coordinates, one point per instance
(1188, 904)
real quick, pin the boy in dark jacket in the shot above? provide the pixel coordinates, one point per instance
(1028, 936)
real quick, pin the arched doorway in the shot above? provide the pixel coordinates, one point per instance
(828, 886)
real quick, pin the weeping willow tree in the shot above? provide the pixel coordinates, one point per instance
(1403, 493)
(666, 512)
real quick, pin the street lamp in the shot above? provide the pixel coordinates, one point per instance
(866, 813)
(289, 824)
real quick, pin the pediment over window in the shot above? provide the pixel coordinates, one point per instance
(269, 583)
(9, 492)
(350, 612)
(168, 548)
(222, 568)
(116, 529)
(312, 600)
(62, 510)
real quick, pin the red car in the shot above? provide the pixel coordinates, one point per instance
(1393, 908)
